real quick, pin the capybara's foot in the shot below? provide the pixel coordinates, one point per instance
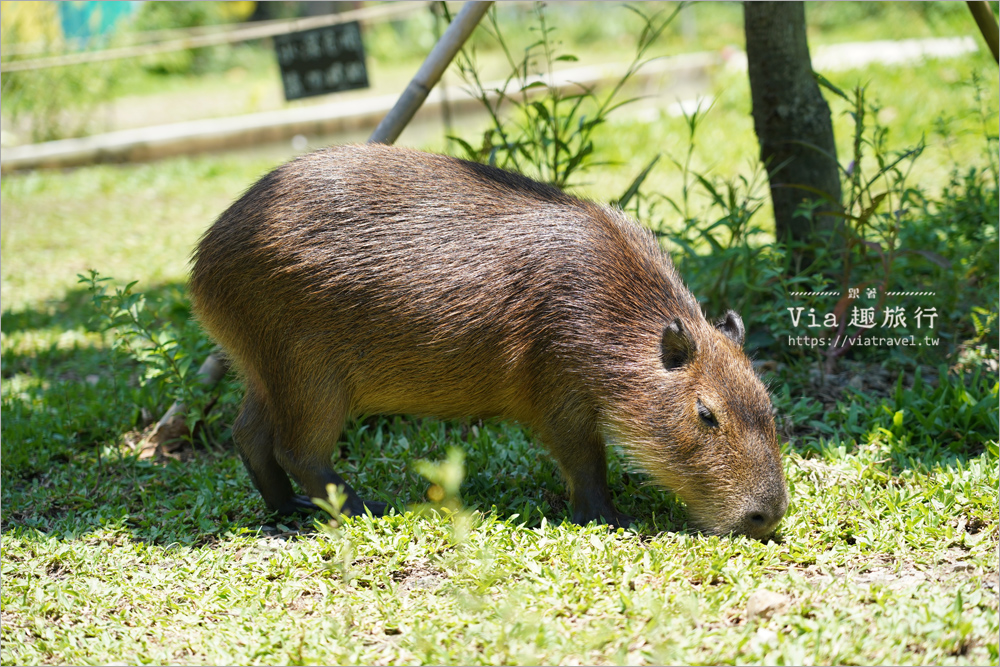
(376, 508)
(354, 506)
(296, 505)
(610, 517)
(621, 520)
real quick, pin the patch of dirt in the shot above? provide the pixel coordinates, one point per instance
(646, 580)
(162, 442)
(419, 575)
(55, 570)
(264, 548)
(9, 620)
(883, 571)
(15, 628)
(991, 582)
(557, 502)
(764, 604)
(306, 603)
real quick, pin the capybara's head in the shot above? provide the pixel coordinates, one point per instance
(706, 430)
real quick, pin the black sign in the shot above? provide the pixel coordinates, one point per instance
(322, 60)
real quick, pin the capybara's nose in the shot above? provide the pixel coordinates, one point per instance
(761, 518)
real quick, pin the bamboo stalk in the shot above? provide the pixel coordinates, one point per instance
(987, 23)
(429, 73)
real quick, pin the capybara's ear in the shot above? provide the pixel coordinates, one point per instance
(677, 347)
(732, 326)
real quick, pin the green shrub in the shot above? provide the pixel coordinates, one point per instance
(536, 128)
(162, 341)
(160, 15)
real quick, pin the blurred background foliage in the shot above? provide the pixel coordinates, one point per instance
(73, 101)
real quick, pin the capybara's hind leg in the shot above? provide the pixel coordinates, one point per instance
(305, 443)
(254, 433)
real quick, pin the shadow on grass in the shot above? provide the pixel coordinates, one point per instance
(75, 310)
(66, 411)
(209, 495)
(67, 485)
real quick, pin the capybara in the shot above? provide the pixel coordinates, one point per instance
(375, 279)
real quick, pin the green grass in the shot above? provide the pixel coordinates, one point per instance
(888, 554)
(137, 220)
(133, 562)
(160, 210)
(97, 97)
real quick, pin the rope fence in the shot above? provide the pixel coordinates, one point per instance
(242, 33)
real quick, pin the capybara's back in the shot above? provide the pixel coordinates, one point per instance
(373, 279)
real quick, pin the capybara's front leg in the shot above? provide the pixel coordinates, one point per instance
(580, 453)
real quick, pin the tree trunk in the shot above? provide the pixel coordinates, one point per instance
(792, 121)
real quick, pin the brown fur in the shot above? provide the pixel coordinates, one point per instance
(373, 279)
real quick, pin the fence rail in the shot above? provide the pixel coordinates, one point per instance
(244, 33)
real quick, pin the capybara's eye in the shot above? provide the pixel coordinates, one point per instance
(706, 415)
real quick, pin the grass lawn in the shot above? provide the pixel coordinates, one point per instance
(888, 553)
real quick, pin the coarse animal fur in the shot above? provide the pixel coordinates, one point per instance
(375, 279)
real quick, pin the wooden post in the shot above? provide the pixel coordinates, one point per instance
(172, 425)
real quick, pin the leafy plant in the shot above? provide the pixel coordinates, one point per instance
(896, 240)
(954, 415)
(164, 16)
(876, 207)
(167, 354)
(538, 129)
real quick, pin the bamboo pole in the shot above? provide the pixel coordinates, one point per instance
(429, 73)
(987, 23)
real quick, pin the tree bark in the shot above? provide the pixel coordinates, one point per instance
(792, 121)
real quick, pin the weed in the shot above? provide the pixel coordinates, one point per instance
(546, 133)
(901, 248)
(166, 352)
(953, 416)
